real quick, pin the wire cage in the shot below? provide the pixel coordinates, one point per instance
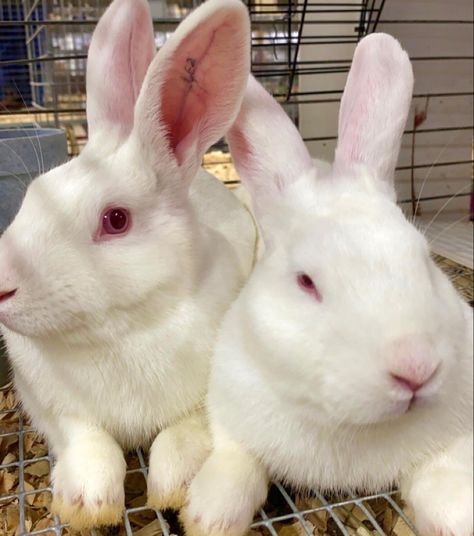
(14, 78)
(299, 48)
(301, 52)
(56, 34)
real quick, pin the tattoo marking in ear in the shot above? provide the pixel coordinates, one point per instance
(190, 67)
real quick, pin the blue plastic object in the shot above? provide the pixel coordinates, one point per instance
(14, 78)
(24, 153)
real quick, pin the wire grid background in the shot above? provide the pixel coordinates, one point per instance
(283, 504)
(47, 72)
(57, 35)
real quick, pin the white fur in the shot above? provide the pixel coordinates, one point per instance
(440, 491)
(175, 457)
(304, 387)
(88, 477)
(116, 336)
(225, 493)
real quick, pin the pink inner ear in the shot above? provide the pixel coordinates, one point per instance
(247, 163)
(357, 110)
(267, 149)
(122, 48)
(375, 106)
(242, 153)
(195, 86)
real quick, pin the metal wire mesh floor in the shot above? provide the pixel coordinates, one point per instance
(25, 492)
(26, 495)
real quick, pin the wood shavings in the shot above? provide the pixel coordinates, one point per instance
(34, 445)
(9, 449)
(7, 400)
(9, 519)
(135, 490)
(8, 481)
(322, 521)
(220, 165)
(152, 529)
(37, 469)
(294, 529)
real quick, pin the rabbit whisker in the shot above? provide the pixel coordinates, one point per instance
(444, 205)
(19, 158)
(435, 161)
(23, 190)
(40, 163)
(16, 128)
(464, 217)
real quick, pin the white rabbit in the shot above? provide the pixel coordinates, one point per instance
(346, 361)
(113, 279)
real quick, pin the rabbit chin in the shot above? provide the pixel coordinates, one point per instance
(385, 408)
(373, 411)
(400, 410)
(38, 326)
(35, 313)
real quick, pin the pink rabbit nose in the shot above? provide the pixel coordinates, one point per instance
(5, 294)
(410, 383)
(413, 362)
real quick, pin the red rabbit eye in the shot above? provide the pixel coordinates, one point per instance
(307, 285)
(114, 221)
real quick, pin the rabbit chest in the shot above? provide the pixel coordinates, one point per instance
(131, 388)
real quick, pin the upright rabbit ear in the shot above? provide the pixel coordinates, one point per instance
(374, 107)
(121, 49)
(266, 147)
(194, 87)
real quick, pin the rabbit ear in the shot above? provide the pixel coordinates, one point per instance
(121, 49)
(266, 147)
(194, 86)
(375, 107)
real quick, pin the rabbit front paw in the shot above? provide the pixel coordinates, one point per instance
(88, 486)
(223, 497)
(175, 457)
(441, 491)
(442, 503)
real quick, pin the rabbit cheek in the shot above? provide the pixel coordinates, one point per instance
(9, 290)
(6, 305)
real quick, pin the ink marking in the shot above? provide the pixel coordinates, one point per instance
(190, 67)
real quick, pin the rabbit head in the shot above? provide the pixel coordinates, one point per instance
(346, 310)
(97, 236)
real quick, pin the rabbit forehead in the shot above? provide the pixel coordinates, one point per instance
(86, 183)
(347, 215)
(351, 231)
(363, 247)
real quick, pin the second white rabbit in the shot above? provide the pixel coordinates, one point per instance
(346, 361)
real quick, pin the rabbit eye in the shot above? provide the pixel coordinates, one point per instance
(115, 221)
(307, 285)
